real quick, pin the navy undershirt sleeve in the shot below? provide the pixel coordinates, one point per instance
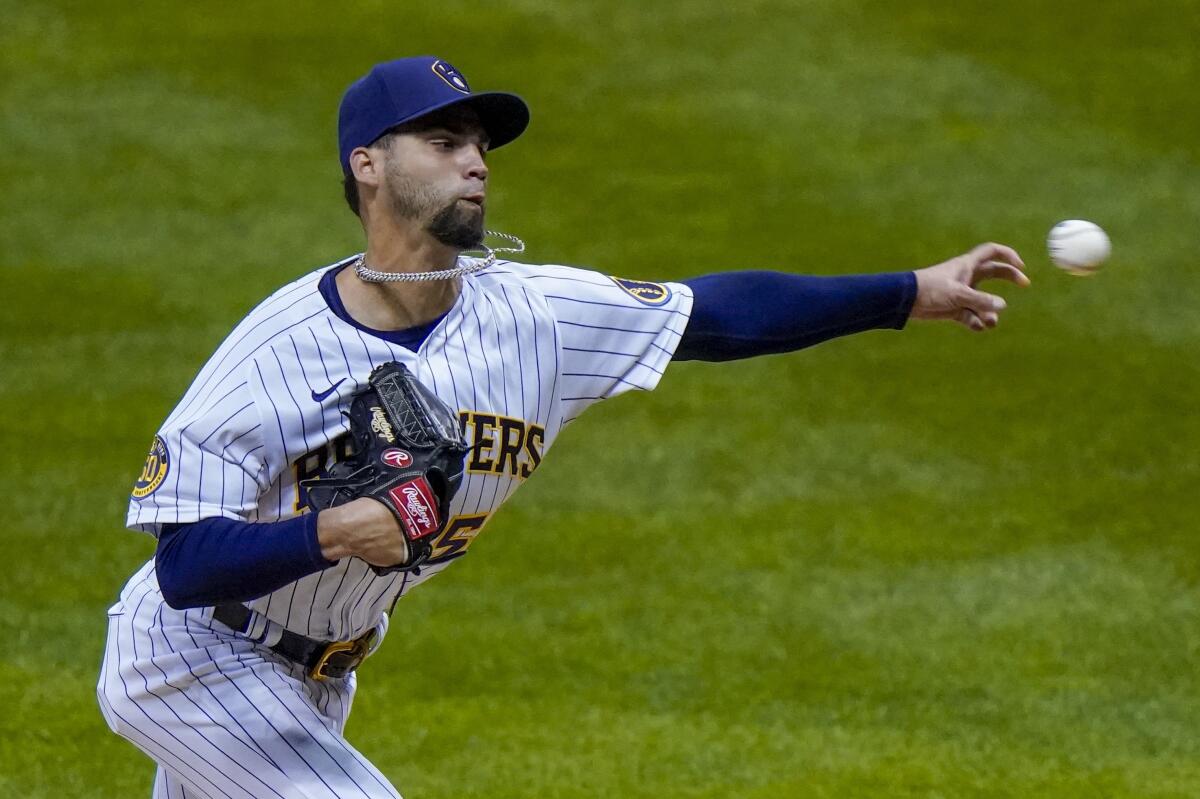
(743, 314)
(222, 560)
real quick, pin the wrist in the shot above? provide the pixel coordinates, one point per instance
(332, 534)
(908, 301)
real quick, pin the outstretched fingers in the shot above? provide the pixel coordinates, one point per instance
(969, 320)
(981, 310)
(980, 301)
(994, 260)
(1001, 271)
(977, 322)
(991, 251)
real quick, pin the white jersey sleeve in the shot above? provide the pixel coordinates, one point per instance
(615, 334)
(206, 460)
(215, 455)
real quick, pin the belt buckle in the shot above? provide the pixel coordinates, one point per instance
(341, 657)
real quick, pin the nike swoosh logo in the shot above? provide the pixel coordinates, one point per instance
(320, 396)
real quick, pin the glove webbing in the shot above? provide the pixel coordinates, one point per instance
(406, 409)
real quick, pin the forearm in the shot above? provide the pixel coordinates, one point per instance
(223, 560)
(743, 314)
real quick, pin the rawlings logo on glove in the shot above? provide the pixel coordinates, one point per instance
(415, 503)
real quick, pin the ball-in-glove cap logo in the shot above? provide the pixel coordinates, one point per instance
(451, 75)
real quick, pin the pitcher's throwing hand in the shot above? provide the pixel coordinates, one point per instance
(947, 290)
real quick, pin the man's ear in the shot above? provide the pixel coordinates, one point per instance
(366, 166)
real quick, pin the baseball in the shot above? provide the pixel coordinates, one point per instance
(1078, 246)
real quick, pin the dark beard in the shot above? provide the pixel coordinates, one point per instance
(457, 227)
(453, 225)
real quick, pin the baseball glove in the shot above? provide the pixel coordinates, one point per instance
(408, 454)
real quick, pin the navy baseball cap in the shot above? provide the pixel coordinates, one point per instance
(400, 91)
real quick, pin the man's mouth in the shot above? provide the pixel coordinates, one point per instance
(477, 199)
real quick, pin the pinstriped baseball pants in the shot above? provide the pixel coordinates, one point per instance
(223, 717)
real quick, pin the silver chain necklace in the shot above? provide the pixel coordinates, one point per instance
(370, 275)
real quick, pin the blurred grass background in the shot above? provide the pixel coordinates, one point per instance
(918, 564)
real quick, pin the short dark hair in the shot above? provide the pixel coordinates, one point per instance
(350, 191)
(350, 183)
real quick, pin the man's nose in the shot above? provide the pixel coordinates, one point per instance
(476, 167)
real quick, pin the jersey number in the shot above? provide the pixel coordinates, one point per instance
(457, 537)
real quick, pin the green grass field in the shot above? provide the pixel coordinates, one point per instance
(926, 564)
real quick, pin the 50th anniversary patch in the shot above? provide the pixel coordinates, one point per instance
(644, 291)
(158, 463)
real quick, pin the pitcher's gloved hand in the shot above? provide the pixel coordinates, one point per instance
(409, 453)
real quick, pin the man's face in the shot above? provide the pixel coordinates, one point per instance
(434, 174)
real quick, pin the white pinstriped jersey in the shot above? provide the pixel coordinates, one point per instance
(524, 350)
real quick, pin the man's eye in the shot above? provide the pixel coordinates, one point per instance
(444, 144)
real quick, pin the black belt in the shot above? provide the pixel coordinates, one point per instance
(322, 659)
